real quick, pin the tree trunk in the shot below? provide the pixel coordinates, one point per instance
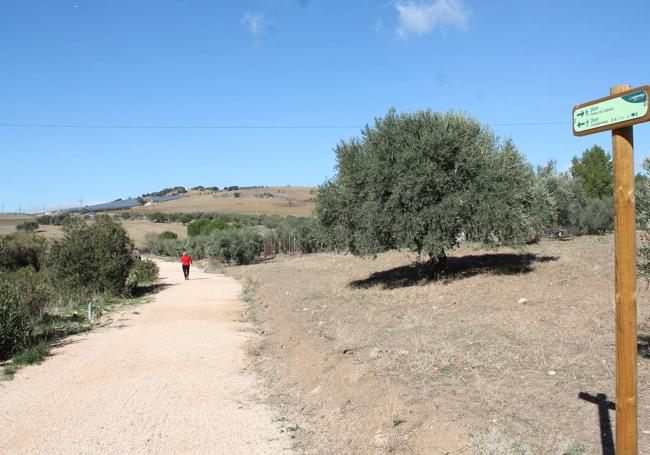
(436, 266)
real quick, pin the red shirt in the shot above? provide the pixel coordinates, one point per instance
(186, 260)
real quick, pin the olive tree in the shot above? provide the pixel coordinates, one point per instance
(419, 181)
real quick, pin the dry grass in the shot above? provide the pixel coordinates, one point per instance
(353, 345)
(8, 225)
(8, 222)
(140, 229)
(137, 230)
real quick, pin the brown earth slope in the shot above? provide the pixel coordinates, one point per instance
(369, 358)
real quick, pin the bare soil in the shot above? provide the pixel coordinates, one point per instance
(510, 351)
(166, 377)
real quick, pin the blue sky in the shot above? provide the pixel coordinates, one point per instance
(285, 63)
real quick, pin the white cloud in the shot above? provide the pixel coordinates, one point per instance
(378, 26)
(419, 18)
(253, 22)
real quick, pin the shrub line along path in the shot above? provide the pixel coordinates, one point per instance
(164, 377)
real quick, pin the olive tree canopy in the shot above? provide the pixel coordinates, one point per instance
(418, 181)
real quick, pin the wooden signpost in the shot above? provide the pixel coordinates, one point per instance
(618, 112)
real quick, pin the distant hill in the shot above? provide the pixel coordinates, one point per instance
(280, 200)
(120, 204)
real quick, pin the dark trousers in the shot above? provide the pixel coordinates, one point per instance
(186, 272)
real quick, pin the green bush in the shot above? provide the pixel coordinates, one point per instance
(93, 257)
(575, 212)
(238, 247)
(168, 235)
(21, 250)
(185, 218)
(59, 219)
(44, 219)
(158, 217)
(198, 227)
(28, 226)
(166, 247)
(205, 227)
(143, 272)
(596, 216)
(24, 294)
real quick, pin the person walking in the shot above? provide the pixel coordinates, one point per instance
(186, 261)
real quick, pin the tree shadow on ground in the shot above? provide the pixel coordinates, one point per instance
(457, 268)
(155, 288)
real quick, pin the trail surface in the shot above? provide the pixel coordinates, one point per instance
(165, 377)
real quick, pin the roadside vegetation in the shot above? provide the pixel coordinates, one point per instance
(28, 226)
(240, 239)
(45, 287)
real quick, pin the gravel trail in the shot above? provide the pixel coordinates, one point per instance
(165, 377)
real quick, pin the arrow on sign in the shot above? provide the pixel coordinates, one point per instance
(581, 124)
(581, 113)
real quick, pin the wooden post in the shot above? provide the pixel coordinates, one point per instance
(625, 245)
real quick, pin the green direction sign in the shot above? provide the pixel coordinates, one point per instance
(630, 107)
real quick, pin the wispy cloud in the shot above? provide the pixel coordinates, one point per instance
(422, 17)
(253, 22)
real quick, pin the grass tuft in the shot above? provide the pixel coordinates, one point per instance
(497, 443)
(34, 355)
(250, 290)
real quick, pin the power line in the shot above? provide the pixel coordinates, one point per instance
(530, 123)
(235, 127)
(180, 127)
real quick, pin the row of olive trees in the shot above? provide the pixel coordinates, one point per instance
(583, 201)
(230, 246)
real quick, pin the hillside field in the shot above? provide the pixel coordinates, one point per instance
(298, 201)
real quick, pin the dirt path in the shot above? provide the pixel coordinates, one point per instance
(165, 377)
